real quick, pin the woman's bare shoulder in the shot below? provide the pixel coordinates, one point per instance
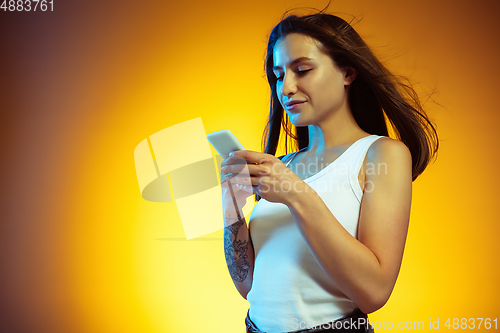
(392, 160)
(387, 149)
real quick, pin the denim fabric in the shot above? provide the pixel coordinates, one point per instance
(348, 324)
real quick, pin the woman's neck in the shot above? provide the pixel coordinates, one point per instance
(338, 130)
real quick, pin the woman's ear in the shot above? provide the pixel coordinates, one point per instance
(349, 75)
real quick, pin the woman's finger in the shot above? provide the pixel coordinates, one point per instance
(241, 180)
(232, 160)
(246, 188)
(249, 169)
(234, 168)
(253, 156)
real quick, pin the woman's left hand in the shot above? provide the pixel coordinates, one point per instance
(270, 178)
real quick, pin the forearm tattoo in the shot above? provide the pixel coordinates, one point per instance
(236, 251)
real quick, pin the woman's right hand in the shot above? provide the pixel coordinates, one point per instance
(235, 168)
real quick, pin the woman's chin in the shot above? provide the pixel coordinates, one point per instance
(297, 120)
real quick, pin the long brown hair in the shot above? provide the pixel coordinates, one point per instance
(375, 94)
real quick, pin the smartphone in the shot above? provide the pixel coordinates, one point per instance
(224, 142)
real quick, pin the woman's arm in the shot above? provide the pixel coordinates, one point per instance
(365, 269)
(238, 250)
(238, 247)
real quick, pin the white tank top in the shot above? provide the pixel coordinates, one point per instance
(289, 287)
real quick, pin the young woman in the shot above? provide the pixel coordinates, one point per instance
(325, 241)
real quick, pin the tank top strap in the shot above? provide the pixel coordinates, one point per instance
(356, 163)
(289, 158)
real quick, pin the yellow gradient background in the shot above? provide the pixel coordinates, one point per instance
(81, 251)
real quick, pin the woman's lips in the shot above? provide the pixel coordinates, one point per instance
(293, 105)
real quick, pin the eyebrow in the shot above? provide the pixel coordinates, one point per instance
(294, 62)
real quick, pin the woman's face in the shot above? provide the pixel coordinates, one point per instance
(310, 86)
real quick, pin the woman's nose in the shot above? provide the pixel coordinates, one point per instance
(289, 85)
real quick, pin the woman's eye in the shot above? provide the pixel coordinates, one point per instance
(279, 77)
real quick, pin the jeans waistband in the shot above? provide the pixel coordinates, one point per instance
(350, 323)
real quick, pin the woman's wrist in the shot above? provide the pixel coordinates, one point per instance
(300, 192)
